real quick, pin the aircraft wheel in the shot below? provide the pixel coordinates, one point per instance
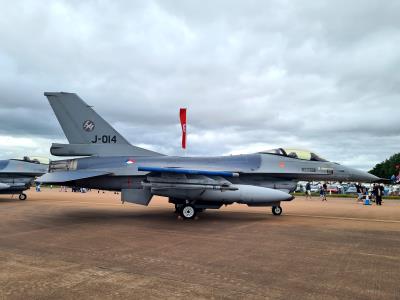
(276, 210)
(22, 196)
(188, 211)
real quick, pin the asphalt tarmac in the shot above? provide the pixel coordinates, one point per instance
(59, 245)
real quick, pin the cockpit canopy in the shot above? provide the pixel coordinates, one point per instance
(295, 153)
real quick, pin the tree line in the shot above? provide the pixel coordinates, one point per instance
(387, 168)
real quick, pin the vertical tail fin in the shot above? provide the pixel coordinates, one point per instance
(86, 130)
(80, 123)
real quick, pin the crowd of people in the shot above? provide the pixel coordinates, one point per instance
(323, 189)
(375, 192)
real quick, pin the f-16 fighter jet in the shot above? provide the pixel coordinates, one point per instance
(17, 175)
(191, 183)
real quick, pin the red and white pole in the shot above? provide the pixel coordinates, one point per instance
(182, 116)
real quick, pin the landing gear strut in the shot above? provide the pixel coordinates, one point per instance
(276, 210)
(22, 196)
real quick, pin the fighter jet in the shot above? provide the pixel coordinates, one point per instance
(17, 175)
(192, 184)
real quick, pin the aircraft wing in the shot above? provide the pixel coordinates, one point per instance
(168, 180)
(183, 179)
(187, 171)
(61, 177)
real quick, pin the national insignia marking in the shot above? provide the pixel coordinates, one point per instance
(88, 125)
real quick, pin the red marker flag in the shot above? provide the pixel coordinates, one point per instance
(182, 116)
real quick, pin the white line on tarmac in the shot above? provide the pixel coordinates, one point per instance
(82, 202)
(344, 218)
(380, 256)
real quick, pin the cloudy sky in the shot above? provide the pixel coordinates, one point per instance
(254, 75)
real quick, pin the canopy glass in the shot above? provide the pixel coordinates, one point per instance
(295, 153)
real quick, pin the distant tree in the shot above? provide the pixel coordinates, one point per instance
(387, 168)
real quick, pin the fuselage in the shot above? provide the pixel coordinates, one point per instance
(265, 170)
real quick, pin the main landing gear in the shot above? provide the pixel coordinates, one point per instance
(22, 196)
(276, 210)
(187, 211)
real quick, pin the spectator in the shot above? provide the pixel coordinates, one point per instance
(308, 190)
(322, 192)
(378, 191)
(359, 192)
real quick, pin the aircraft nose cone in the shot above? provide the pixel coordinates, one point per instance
(363, 176)
(372, 178)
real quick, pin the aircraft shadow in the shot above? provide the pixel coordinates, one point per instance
(8, 200)
(159, 216)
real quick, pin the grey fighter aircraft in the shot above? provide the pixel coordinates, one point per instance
(191, 183)
(17, 175)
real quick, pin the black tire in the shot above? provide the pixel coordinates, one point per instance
(276, 210)
(187, 211)
(22, 196)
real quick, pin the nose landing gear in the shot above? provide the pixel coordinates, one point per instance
(22, 196)
(276, 210)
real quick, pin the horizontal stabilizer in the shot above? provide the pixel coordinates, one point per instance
(188, 171)
(99, 150)
(61, 177)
